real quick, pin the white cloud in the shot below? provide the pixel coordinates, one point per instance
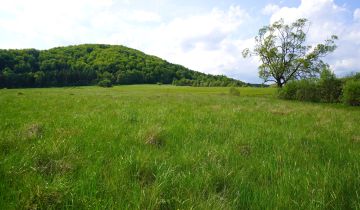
(144, 16)
(45, 24)
(206, 29)
(49, 23)
(210, 41)
(357, 14)
(205, 42)
(270, 9)
(328, 18)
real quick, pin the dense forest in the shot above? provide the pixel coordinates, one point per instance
(91, 64)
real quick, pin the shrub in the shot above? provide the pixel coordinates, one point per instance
(307, 90)
(288, 91)
(351, 93)
(330, 87)
(326, 89)
(105, 83)
(302, 90)
(234, 92)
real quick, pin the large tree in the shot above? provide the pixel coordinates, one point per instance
(284, 54)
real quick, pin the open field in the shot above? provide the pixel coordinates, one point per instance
(166, 147)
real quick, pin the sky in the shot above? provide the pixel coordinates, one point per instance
(203, 35)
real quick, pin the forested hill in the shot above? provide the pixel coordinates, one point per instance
(89, 64)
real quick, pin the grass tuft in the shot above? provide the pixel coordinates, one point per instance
(48, 165)
(145, 176)
(355, 139)
(234, 91)
(154, 136)
(33, 131)
(282, 112)
(44, 198)
(245, 150)
(6, 146)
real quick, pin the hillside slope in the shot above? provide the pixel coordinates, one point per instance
(88, 64)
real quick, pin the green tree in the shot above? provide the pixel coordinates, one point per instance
(39, 78)
(284, 54)
(105, 83)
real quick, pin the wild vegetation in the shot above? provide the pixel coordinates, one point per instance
(288, 61)
(327, 88)
(173, 146)
(90, 64)
(168, 147)
(285, 55)
(351, 92)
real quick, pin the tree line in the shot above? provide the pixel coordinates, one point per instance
(89, 64)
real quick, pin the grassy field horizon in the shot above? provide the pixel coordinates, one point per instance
(169, 147)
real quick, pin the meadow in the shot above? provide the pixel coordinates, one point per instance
(167, 147)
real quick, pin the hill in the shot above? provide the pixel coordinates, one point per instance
(88, 64)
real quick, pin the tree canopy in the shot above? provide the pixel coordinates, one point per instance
(284, 54)
(89, 64)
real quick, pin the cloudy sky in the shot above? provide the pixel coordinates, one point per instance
(206, 35)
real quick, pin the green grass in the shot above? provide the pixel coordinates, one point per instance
(165, 147)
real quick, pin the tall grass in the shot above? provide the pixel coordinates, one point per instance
(164, 147)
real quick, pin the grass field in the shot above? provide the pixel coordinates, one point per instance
(165, 147)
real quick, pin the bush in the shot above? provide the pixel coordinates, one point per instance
(302, 90)
(289, 91)
(330, 87)
(351, 93)
(233, 91)
(326, 89)
(307, 90)
(105, 83)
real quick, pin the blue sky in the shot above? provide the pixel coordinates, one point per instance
(206, 36)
